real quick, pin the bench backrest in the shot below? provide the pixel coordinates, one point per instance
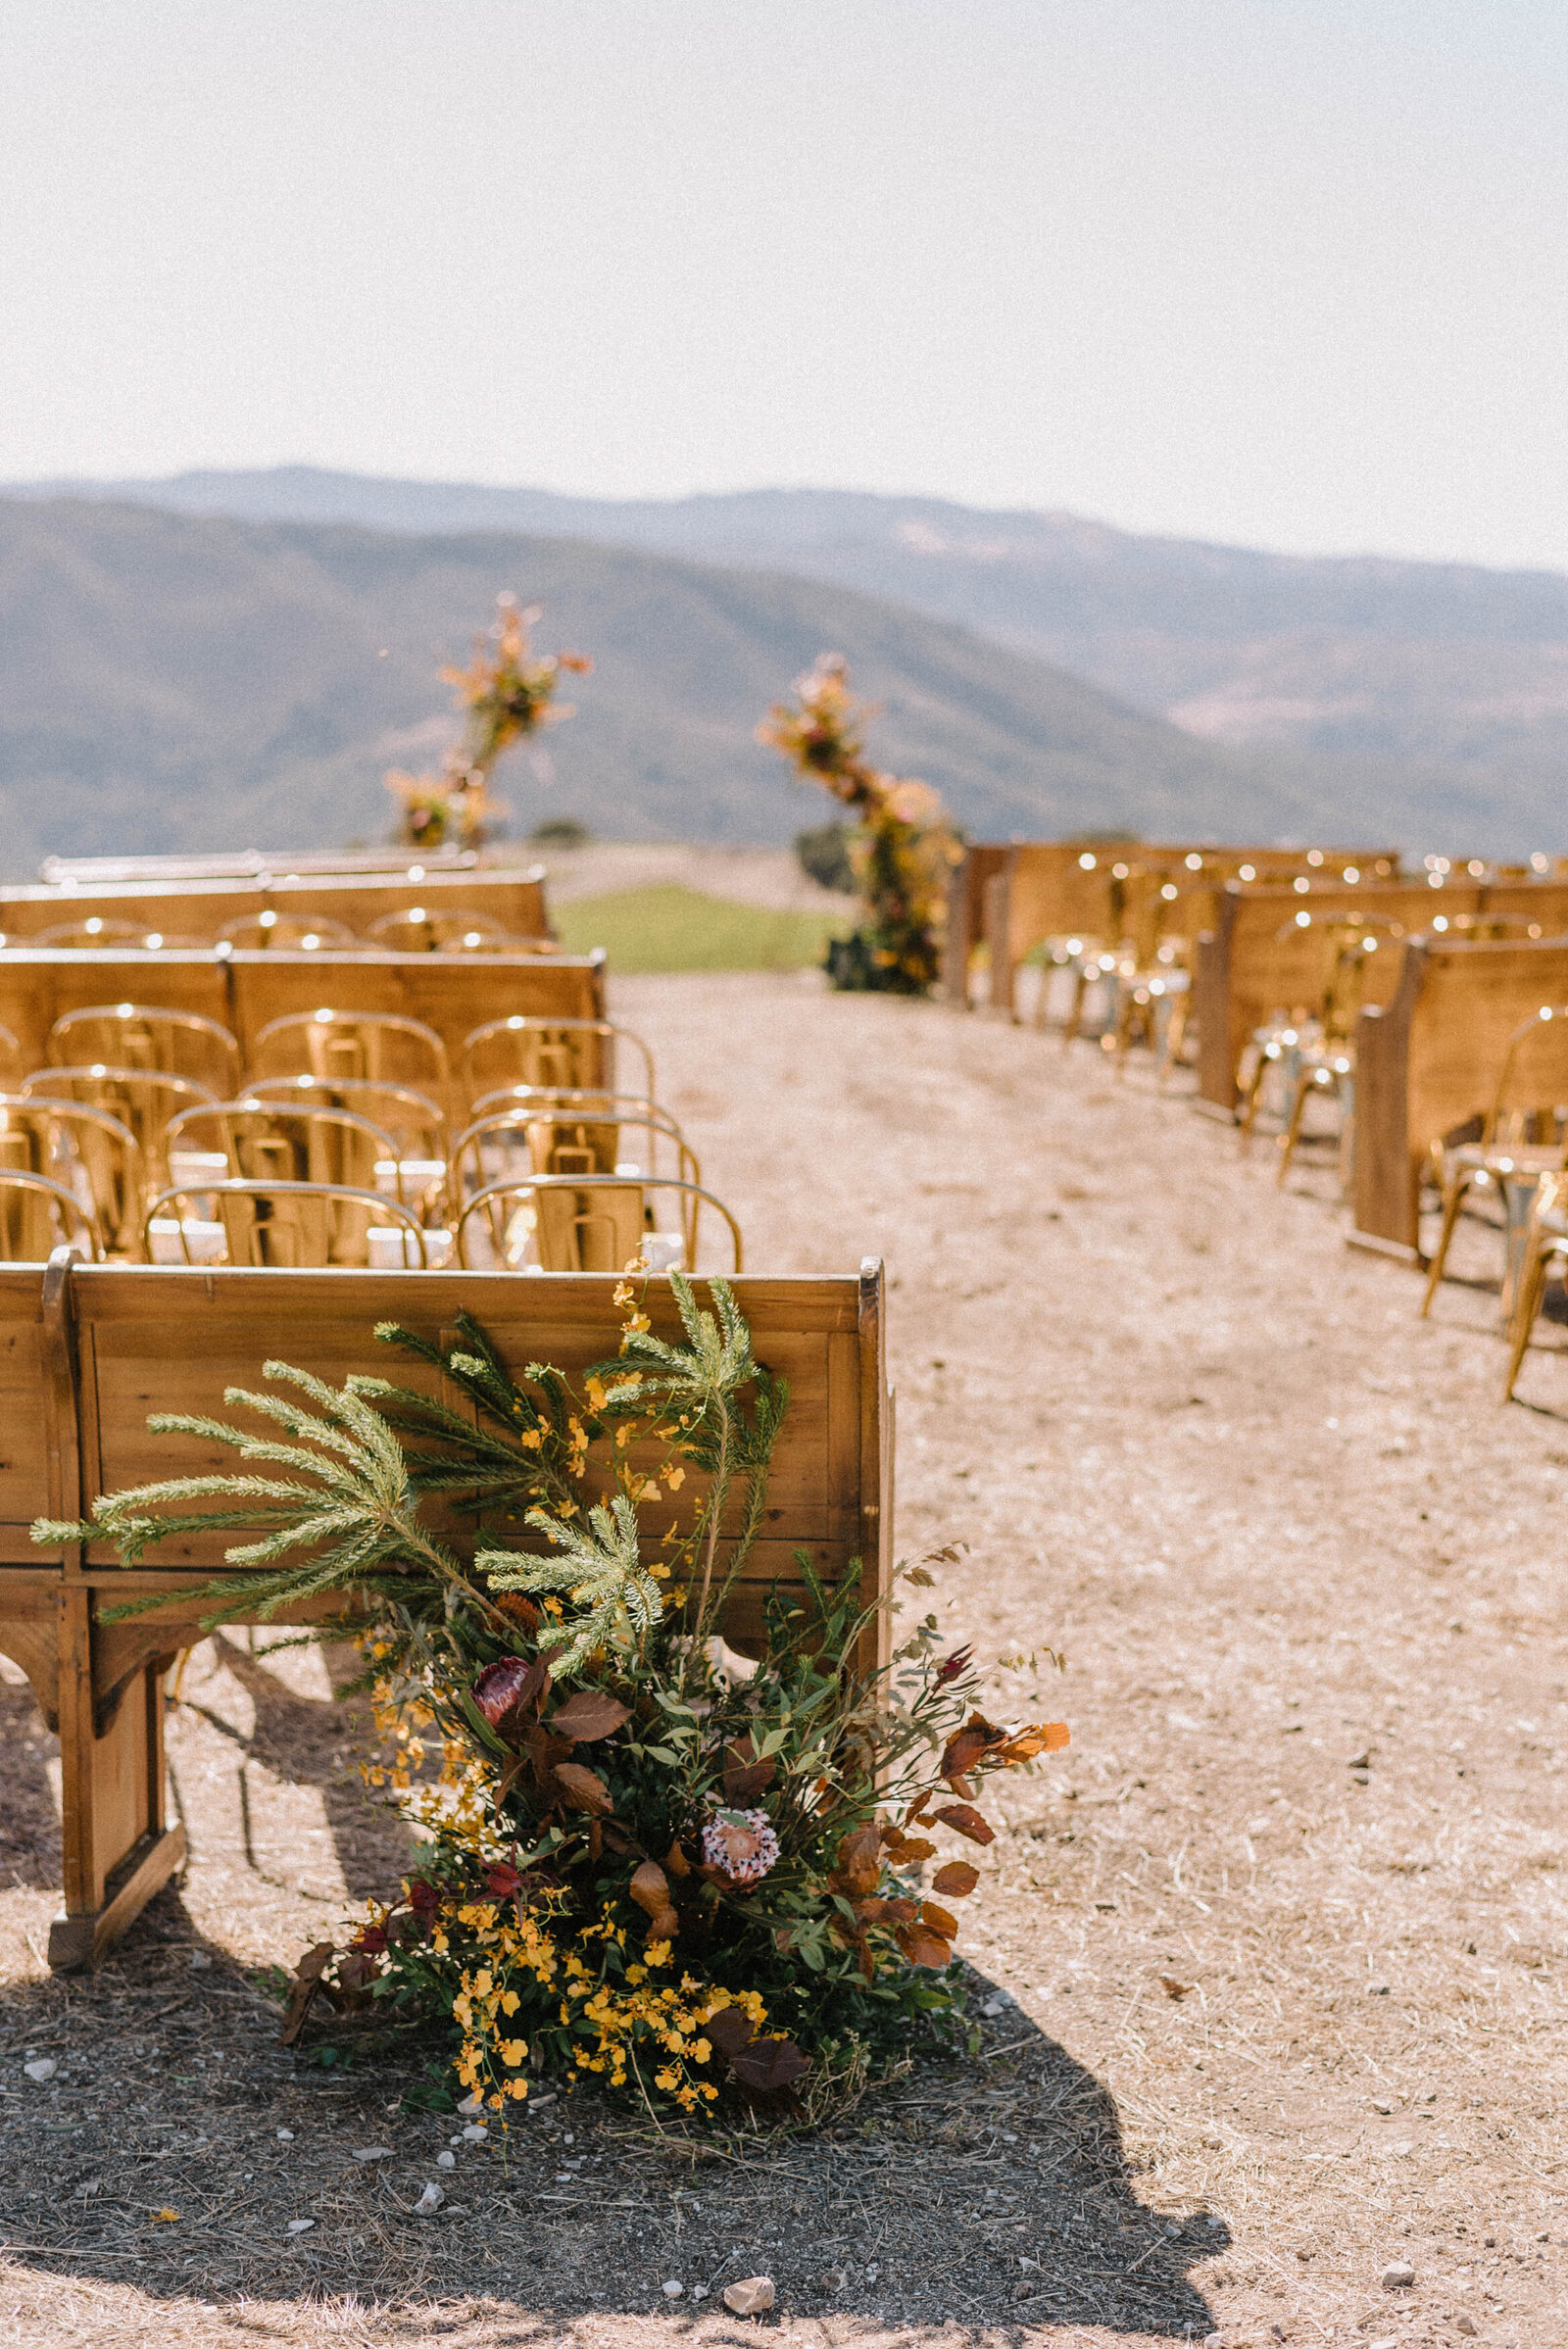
(1428, 1061)
(451, 994)
(1245, 969)
(244, 864)
(200, 908)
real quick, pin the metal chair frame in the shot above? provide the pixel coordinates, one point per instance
(447, 930)
(1545, 1237)
(1507, 1157)
(16, 1178)
(389, 1098)
(548, 1031)
(316, 1116)
(525, 1188)
(315, 1027)
(289, 933)
(576, 1108)
(116, 1019)
(384, 1210)
(117, 1205)
(39, 1086)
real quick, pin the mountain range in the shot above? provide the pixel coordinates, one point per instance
(1044, 671)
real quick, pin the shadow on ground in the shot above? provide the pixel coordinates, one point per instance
(991, 2191)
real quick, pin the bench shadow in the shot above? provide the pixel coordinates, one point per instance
(29, 1817)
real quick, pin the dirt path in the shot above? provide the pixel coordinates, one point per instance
(1307, 1575)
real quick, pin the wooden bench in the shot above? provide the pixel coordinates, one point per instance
(1035, 890)
(242, 865)
(1251, 965)
(1427, 1063)
(87, 1351)
(453, 993)
(200, 908)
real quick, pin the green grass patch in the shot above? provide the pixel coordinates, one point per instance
(670, 927)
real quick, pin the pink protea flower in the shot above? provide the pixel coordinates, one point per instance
(741, 1843)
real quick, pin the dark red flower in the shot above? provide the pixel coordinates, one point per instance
(502, 1880)
(957, 1662)
(424, 1897)
(373, 1940)
(506, 1686)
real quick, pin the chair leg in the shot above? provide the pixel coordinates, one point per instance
(1532, 1288)
(1453, 1196)
(1293, 1125)
(1250, 1106)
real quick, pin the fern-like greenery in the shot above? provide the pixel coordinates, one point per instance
(354, 1470)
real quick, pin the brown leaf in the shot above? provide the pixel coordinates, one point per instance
(1173, 1988)
(967, 1821)
(731, 2028)
(941, 1921)
(957, 1881)
(1046, 1737)
(589, 1714)
(303, 1989)
(650, 1888)
(675, 1860)
(907, 1851)
(745, 1778)
(923, 1948)
(968, 1744)
(769, 2065)
(859, 1867)
(583, 1788)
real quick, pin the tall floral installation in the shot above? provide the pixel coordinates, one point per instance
(693, 1875)
(903, 848)
(508, 693)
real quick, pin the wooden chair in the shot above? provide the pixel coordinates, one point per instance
(1544, 1251)
(531, 1049)
(39, 1215)
(95, 1155)
(142, 1100)
(180, 1043)
(287, 1142)
(1523, 1139)
(288, 933)
(290, 1226)
(338, 1046)
(570, 1225)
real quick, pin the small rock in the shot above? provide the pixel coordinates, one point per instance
(300, 2226)
(475, 2133)
(1378, 2106)
(1464, 2325)
(673, 2289)
(1213, 2340)
(200, 1961)
(995, 2006)
(471, 2104)
(699, 2292)
(285, 2136)
(374, 2153)
(430, 2200)
(42, 2068)
(1397, 2277)
(832, 2279)
(1377, 1990)
(446, 2160)
(753, 2296)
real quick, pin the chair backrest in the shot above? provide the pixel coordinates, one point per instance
(92, 930)
(569, 1134)
(37, 1215)
(12, 1070)
(182, 1043)
(290, 1141)
(288, 933)
(95, 1155)
(570, 1225)
(440, 930)
(293, 1226)
(1532, 1098)
(338, 1046)
(529, 1048)
(414, 1121)
(142, 1098)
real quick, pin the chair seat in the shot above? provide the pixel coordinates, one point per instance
(1489, 1158)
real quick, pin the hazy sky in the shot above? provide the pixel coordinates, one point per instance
(1291, 272)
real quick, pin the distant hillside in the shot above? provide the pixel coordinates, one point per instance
(171, 682)
(1441, 689)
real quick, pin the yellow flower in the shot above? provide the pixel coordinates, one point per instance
(513, 2053)
(674, 1476)
(665, 2079)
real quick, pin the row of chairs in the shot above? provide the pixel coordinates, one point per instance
(410, 930)
(328, 1155)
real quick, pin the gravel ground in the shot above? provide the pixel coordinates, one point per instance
(1276, 1953)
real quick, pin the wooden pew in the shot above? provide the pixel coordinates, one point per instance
(1253, 964)
(1428, 1061)
(449, 992)
(1051, 889)
(87, 1351)
(242, 865)
(965, 917)
(199, 908)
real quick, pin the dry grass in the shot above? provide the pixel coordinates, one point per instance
(1307, 1575)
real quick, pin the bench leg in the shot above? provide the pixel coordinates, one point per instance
(119, 1847)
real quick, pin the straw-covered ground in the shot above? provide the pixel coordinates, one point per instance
(1280, 1943)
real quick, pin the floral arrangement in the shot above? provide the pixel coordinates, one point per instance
(903, 846)
(507, 692)
(689, 1873)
